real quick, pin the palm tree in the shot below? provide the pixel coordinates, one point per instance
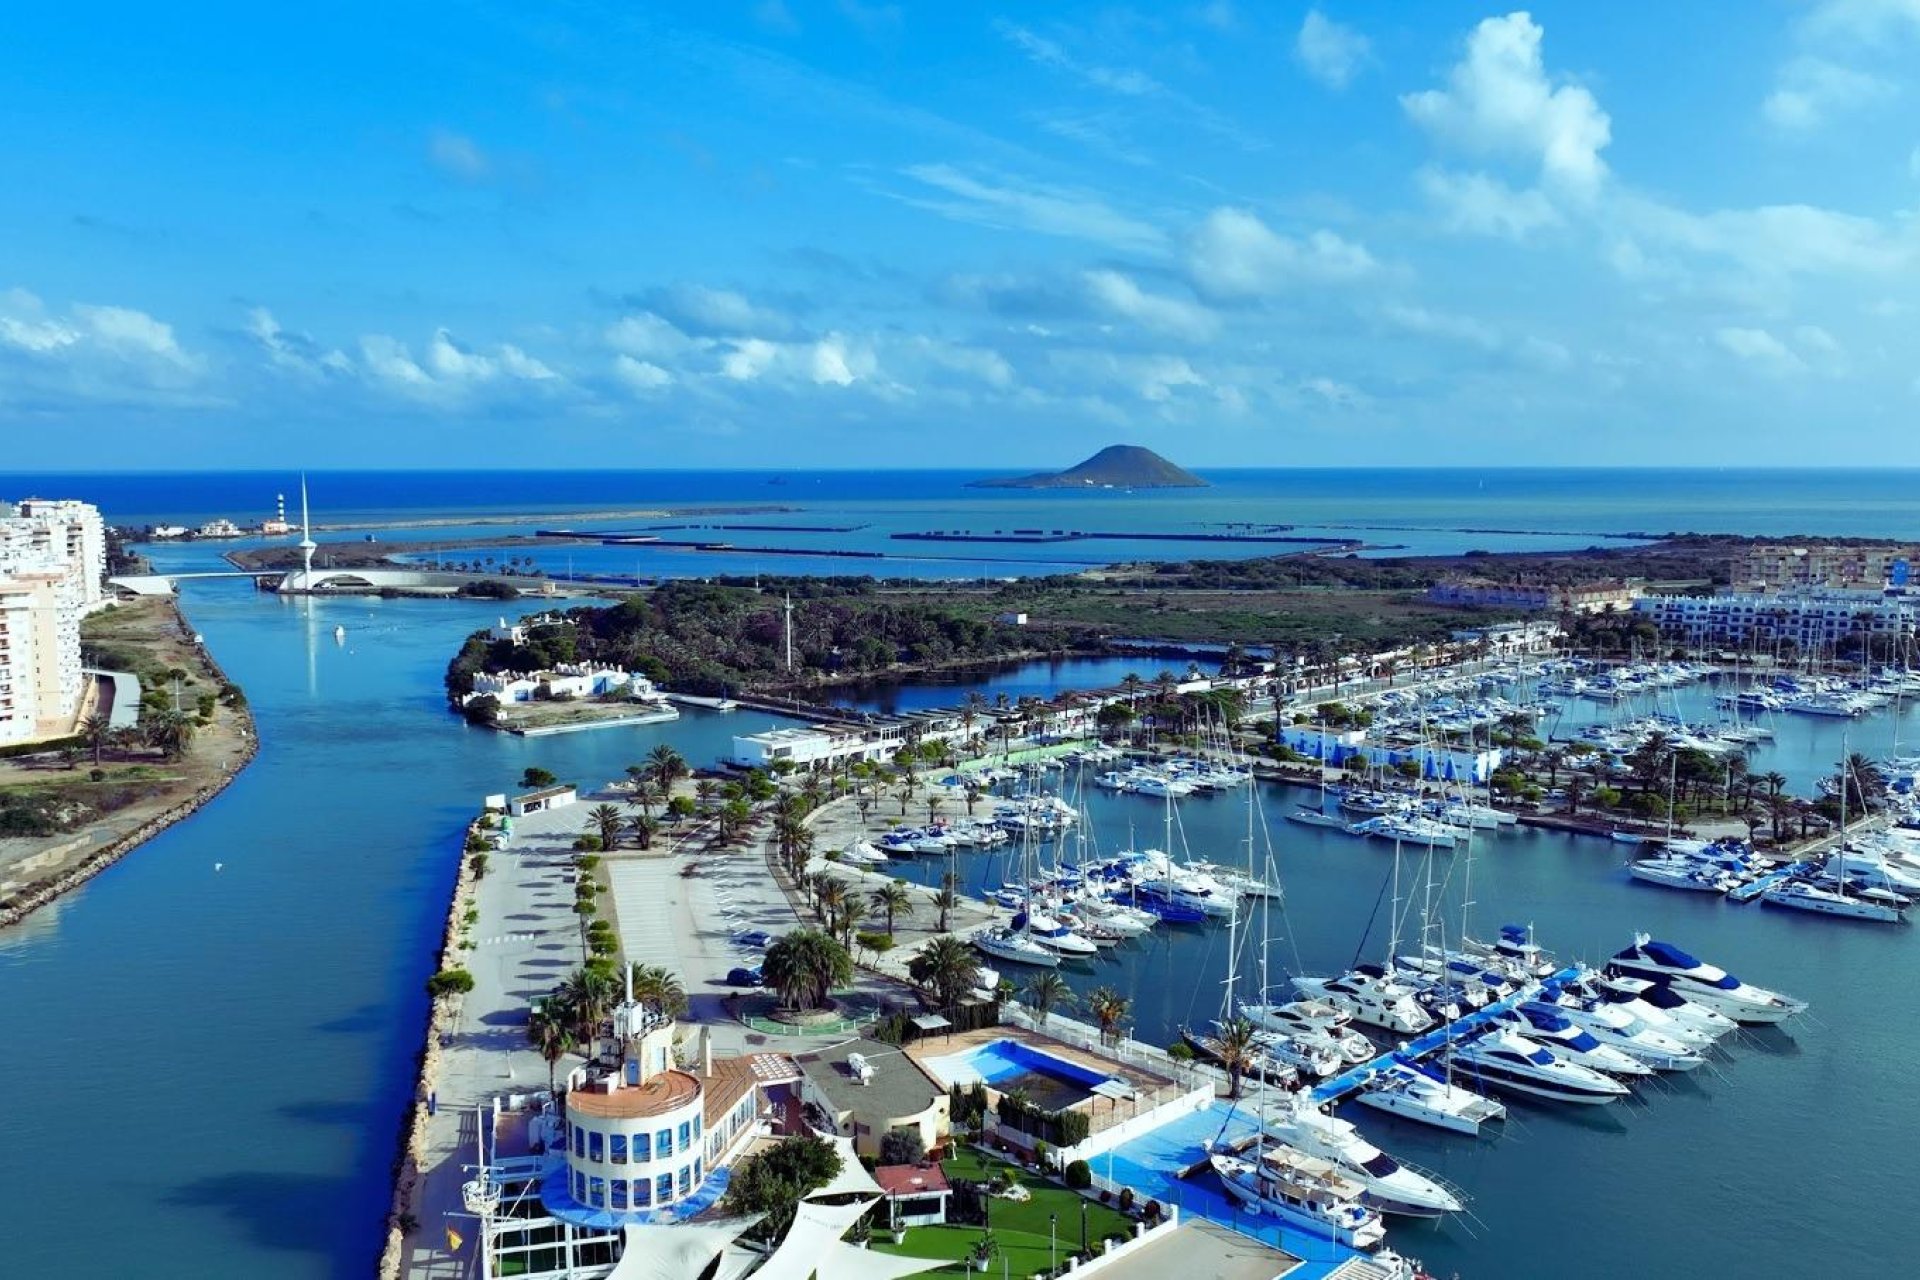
(971, 793)
(607, 821)
(96, 730)
(933, 809)
(948, 898)
(804, 966)
(659, 987)
(548, 1031)
(946, 968)
(705, 792)
(643, 826)
(1109, 1009)
(1043, 991)
(588, 994)
(892, 899)
(644, 796)
(172, 732)
(666, 765)
(830, 894)
(1238, 1047)
(853, 913)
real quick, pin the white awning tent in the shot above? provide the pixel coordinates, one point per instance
(816, 1229)
(676, 1252)
(850, 1262)
(853, 1178)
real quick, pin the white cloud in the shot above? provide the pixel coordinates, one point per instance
(1119, 295)
(458, 156)
(647, 335)
(1761, 349)
(1913, 163)
(1483, 205)
(25, 325)
(448, 372)
(701, 309)
(1812, 90)
(1338, 394)
(92, 352)
(641, 376)
(294, 353)
(1218, 14)
(1441, 324)
(830, 361)
(1235, 255)
(775, 16)
(1331, 53)
(1013, 205)
(1500, 101)
(1777, 239)
(1866, 21)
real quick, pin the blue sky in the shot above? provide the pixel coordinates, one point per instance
(848, 233)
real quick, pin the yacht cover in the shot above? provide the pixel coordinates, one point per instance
(853, 1178)
(676, 1252)
(816, 1229)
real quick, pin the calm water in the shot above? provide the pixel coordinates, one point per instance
(239, 1042)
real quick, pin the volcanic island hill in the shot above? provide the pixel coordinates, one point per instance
(1118, 466)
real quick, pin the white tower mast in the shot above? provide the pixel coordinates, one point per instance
(789, 611)
(307, 544)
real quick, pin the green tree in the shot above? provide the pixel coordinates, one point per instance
(946, 969)
(1043, 991)
(1109, 1009)
(804, 966)
(549, 1031)
(667, 766)
(606, 822)
(643, 828)
(534, 777)
(96, 730)
(1239, 1046)
(659, 987)
(892, 899)
(772, 1182)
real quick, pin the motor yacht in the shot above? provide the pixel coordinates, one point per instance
(1508, 1060)
(1618, 1027)
(1014, 947)
(1654, 1001)
(1408, 830)
(1315, 818)
(1879, 906)
(1515, 945)
(1482, 985)
(1391, 1187)
(1259, 1065)
(1054, 935)
(1549, 1027)
(1314, 1022)
(1702, 983)
(1305, 1192)
(1373, 999)
(1681, 873)
(1419, 1093)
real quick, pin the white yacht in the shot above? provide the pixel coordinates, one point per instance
(1508, 1060)
(1620, 1028)
(1681, 873)
(1314, 1022)
(1407, 830)
(1374, 999)
(1306, 1193)
(1877, 905)
(1702, 983)
(1549, 1027)
(1414, 1092)
(1055, 936)
(1391, 1187)
(1315, 818)
(1516, 947)
(1013, 946)
(1658, 1003)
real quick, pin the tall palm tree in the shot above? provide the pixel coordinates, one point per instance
(947, 899)
(705, 792)
(1109, 1009)
(644, 796)
(830, 894)
(853, 913)
(1043, 991)
(549, 1032)
(892, 899)
(588, 994)
(804, 966)
(606, 820)
(667, 766)
(659, 987)
(644, 827)
(96, 730)
(1239, 1045)
(946, 968)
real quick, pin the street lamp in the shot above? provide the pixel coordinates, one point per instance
(1053, 1221)
(1083, 1230)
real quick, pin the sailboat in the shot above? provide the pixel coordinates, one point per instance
(1880, 906)
(1014, 942)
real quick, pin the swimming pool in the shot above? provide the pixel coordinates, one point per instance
(1048, 1081)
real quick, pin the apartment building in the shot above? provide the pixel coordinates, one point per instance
(52, 573)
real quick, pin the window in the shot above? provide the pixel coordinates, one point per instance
(595, 1147)
(696, 1126)
(663, 1144)
(663, 1188)
(580, 1186)
(686, 1135)
(619, 1200)
(597, 1192)
(642, 1193)
(642, 1147)
(617, 1148)
(579, 1142)
(686, 1178)
(699, 1174)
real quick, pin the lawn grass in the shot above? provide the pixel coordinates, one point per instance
(1019, 1230)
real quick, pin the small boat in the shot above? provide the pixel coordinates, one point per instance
(339, 635)
(1618, 1027)
(1681, 873)
(1014, 947)
(1315, 818)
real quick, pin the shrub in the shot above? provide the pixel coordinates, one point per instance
(449, 982)
(1126, 1199)
(1079, 1175)
(1152, 1212)
(874, 941)
(587, 844)
(1040, 1153)
(478, 865)
(587, 861)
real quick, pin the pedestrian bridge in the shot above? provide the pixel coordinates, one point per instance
(357, 581)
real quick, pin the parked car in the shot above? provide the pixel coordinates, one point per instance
(745, 976)
(757, 939)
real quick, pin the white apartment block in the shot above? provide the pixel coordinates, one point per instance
(52, 573)
(1811, 619)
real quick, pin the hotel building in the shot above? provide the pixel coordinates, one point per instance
(52, 573)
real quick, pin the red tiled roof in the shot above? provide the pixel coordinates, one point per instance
(911, 1179)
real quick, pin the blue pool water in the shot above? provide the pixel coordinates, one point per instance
(1048, 1081)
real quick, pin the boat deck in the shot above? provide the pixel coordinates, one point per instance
(1754, 888)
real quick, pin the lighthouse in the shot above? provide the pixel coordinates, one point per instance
(307, 544)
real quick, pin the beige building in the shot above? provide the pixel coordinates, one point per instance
(1812, 566)
(52, 573)
(1584, 597)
